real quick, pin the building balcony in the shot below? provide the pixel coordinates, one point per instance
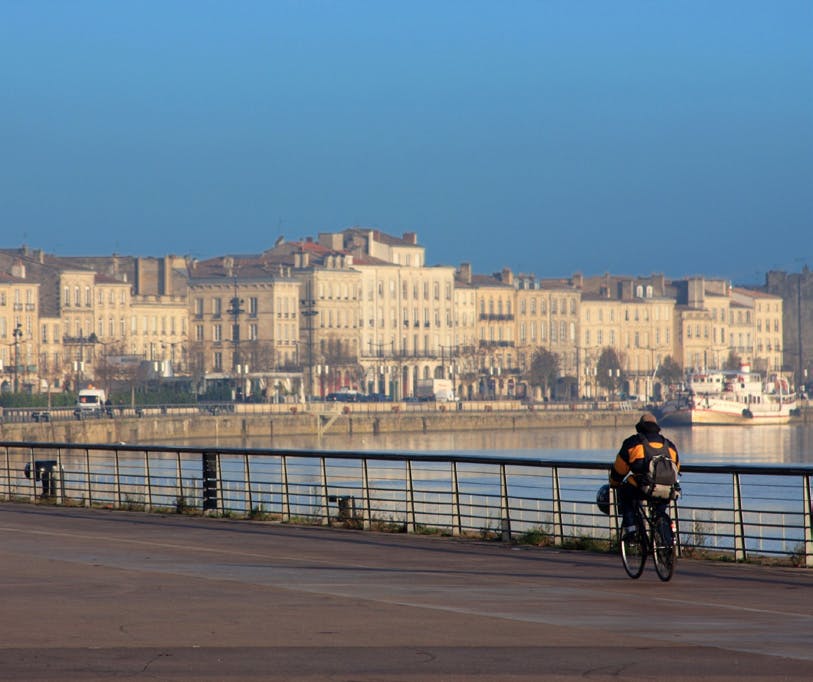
(499, 317)
(80, 340)
(496, 344)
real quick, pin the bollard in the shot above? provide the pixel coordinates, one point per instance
(347, 507)
(209, 481)
(44, 472)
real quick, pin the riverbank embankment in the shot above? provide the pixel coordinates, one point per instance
(253, 425)
(251, 422)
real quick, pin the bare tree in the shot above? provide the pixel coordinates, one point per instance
(670, 372)
(733, 361)
(544, 369)
(609, 370)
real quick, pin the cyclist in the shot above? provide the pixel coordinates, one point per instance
(633, 457)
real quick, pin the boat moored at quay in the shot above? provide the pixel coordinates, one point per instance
(726, 397)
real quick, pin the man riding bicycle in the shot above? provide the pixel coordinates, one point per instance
(634, 456)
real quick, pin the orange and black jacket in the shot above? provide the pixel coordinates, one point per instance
(632, 455)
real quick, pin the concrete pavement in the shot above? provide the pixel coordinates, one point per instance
(97, 595)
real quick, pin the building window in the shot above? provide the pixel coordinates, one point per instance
(252, 306)
(217, 333)
(218, 361)
(217, 307)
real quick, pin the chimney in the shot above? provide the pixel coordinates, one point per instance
(139, 275)
(332, 240)
(696, 291)
(626, 290)
(411, 237)
(228, 265)
(167, 276)
(506, 276)
(18, 269)
(302, 259)
(578, 280)
(465, 272)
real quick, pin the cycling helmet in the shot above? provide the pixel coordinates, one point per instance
(603, 499)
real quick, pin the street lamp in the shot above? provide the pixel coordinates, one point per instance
(17, 333)
(308, 312)
(323, 371)
(242, 379)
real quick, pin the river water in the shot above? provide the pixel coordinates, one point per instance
(789, 444)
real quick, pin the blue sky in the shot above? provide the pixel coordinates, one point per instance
(549, 137)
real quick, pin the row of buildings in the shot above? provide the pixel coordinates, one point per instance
(361, 308)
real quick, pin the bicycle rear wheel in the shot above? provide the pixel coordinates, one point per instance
(633, 550)
(663, 547)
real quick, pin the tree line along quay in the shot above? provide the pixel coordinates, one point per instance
(363, 309)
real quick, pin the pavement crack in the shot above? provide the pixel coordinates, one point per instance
(153, 660)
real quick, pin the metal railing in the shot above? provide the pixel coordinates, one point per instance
(14, 415)
(739, 511)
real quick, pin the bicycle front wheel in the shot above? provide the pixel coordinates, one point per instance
(663, 547)
(633, 550)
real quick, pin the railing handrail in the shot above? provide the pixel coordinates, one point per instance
(748, 469)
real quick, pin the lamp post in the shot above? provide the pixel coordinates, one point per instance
(308, 312)
(323, 371)
(242, 377)
(17, 333)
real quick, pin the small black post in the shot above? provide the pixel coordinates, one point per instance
(209, 481)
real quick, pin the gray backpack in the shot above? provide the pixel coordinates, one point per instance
(661, 477)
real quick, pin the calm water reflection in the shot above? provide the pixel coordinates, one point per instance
(700, 445)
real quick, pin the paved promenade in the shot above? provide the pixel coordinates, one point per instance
(99, 595)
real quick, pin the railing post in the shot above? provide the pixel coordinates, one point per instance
(60, 495)
(612, 517)
(33, 470)
(410, 493)
(221, 492)
(505, 511)
(325, 507)
(558, 527)
(367, 518)
(247, 483)
(178, 478)
(8, 474)
(88, 482)
(456, 524)
(117, 484)
(148, 501)
(286, 498)
(739, 526)
(808, 542)
(674, 513)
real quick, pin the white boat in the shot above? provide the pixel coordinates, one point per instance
(731, 397)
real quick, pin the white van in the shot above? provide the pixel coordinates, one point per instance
(90, 402)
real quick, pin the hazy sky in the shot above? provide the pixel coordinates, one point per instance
(550, 137)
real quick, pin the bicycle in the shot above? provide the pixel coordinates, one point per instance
(654, 535)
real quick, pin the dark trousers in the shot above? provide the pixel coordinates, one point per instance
(627, 497)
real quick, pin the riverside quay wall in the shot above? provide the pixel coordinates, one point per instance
(249, 422)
